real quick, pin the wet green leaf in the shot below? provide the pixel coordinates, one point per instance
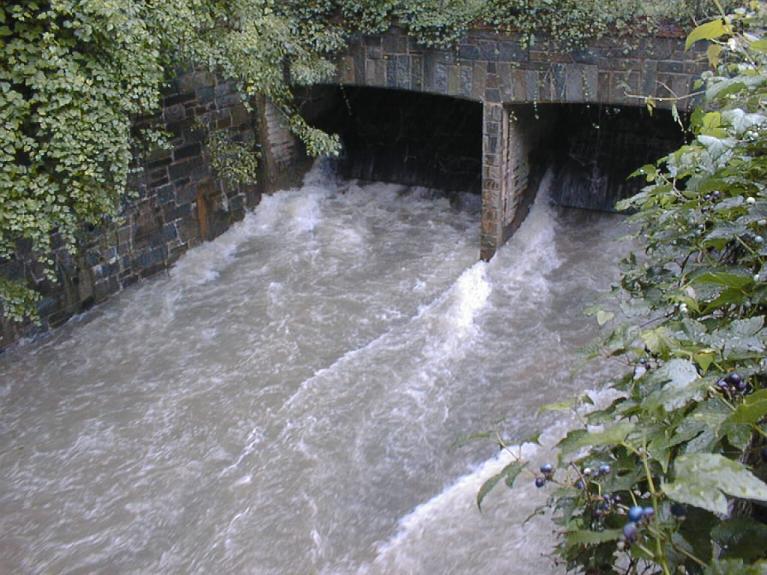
(579, 438)
(509, 473)
(708, 31)
(587, 537)
(752, 410)
(704, 479)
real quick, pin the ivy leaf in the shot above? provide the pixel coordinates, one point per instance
(649, 171)
(587, 537)
(487, 487)
(725, 231)
(703, 480)
(681, 383)
(509, 473)
(604, 316)
(753, 409)
(581, 438)
(704, 360)
(712, 53)
(512, 472)
(733, 278)
(658, 341)
(556, 406)
(708, 31)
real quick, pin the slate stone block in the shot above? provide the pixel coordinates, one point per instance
(468, 52)
(440, 78)
(402, 71)
(187, 151)
(466, 79)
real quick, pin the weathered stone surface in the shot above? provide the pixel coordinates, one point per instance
(596, 73)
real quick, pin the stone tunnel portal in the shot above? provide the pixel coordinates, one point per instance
(399, 136)
(591, 149)
(498, 151)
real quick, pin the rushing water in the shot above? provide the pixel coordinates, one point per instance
(286, 400)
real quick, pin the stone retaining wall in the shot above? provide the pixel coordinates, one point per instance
(180, 203)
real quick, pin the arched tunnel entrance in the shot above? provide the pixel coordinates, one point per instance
(400, 136)
(598, 146)
(498, 151)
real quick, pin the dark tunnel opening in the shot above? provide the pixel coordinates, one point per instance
(401, 136)
(419, 139)
(593, 149)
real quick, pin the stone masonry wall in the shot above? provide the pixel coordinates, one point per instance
(179, 204)
(495, 68)
(527, 140)
(284, 151)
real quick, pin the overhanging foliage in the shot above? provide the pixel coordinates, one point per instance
(672, 480)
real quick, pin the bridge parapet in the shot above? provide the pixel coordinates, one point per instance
(494, 68)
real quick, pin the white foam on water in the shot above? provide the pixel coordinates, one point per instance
(446, 323)
(205, 263)
(471, 293)
(524, 262)
(507, 532)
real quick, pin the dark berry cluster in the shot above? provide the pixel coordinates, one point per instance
(637, 517)
(733, 384)
(547, 474)
(606, 504)
(600, 471)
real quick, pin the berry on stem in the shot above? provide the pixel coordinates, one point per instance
(635, 513)
(540, 482)
(630, 531)
(648, 512)
(733, 378)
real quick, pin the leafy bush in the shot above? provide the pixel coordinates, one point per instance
(668, 477)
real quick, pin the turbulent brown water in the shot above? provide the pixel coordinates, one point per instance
(287, 398)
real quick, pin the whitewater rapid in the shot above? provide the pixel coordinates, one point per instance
(288, 397)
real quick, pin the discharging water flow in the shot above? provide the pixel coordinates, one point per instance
(286, 399)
